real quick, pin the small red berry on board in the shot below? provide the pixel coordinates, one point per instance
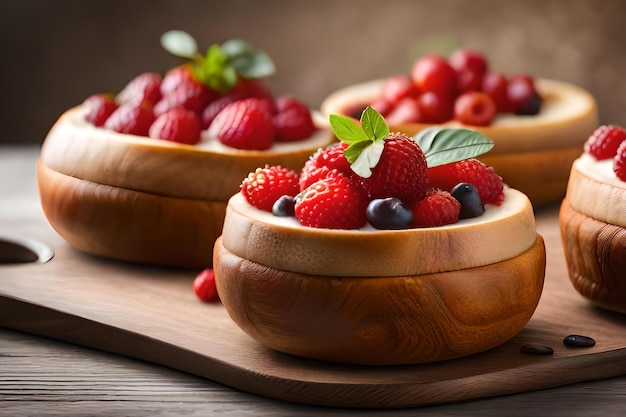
(334, 202)
(474, 108)
(437, 208)
(604, 141)
(133, 118)
(204, 286)
(144, 87)
(177, 125)
(245, 124)
(293, 120)
(99, 108)
(619, 162)
(264, 186)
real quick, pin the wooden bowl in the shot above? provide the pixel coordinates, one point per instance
(381, 297)
(593, 230)
(532, 153)
(145, 200)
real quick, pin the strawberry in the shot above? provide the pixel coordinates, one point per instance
(213, 108)
(133, 118)
(144, 87)
(191, 94)
(324, 162)
(245, 124)
(178, 75)
(407, 110)
(604, 141)
(99, 108)
(177, 125)
(619, 162)
(437, 208)
(204, 285)
(489, 184)
(334, 202)
(293, 120)
(264, 186)
(250, 88)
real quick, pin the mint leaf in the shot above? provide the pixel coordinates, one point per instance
(347, 129)
(248, 61)
(215, 71)
(374, 124)
(446, 145)
(179, 43)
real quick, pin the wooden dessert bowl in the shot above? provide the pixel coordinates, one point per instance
(593, 230)
(380, 297)
(532, 153)
(145, 200)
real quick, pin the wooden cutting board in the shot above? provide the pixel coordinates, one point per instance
(152, 314)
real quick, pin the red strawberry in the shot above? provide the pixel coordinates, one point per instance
(407, 110)
(204, 285)
(264, 186)
(400, 172)
(177, 125)
(293, 120)
(332, 203)
(99, 108)
(177, 75)
(133, 118)
(437, 208)
(213, 108)
(251, 88)
(489, 184)
(324, 162)
(144, 87)
(604, 141)
(245, 124)
(619, 162)
(191, 95)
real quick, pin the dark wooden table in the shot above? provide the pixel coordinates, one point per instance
(44, 377)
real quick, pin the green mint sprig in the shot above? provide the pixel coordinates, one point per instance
(366, 141)
(221, 66)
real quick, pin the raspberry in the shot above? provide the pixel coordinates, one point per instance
(144, 87)
(619, 162)
(474, 108)
(293, 121)
(434, 73)
(604, 141)
(332, 203)
(204, 285)
(324, 162)
(244, 124)
(437, 208)
(401, 171)
(264, 186)
(99, 108)
(177, 125)
(489, 184)
(133, 118)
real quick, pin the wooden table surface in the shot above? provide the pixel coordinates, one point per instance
(43, 377)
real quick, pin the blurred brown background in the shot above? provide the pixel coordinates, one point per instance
(55, 53)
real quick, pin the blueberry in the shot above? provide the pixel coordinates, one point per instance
(388, 213)
(284, 206)
(467, 195)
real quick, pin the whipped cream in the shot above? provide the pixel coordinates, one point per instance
(600, 171)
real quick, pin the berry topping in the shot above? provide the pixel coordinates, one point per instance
(435, 107)
(523, 95)
(325, 162)
(471, 204)
(293, 120)
(489, 184)
(474, 108)
(332, 203)
(470, 67)
(496, 85)
(284, 206)
(99, 108)
(437, 208)
(204, 285)
(144, 87)
(399, 87)
(244, 124)
(434, 73)
(177, 125)
(191, 95)
(619, 162)
(604, 141)
(406, 111)
(264, 186)
(133, 118)
(388, 213)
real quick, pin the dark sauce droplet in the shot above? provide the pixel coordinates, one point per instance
(576, 340)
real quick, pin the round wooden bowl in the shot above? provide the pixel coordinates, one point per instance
(593, 230)
(532, 153)
(144, 200)
(380, 297)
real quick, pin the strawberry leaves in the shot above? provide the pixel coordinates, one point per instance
(221, 66)
(446, 145)
(366, 140)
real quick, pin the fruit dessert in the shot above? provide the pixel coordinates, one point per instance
(593, 219)
(538, 125)
(145, 175)
(383, 249)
